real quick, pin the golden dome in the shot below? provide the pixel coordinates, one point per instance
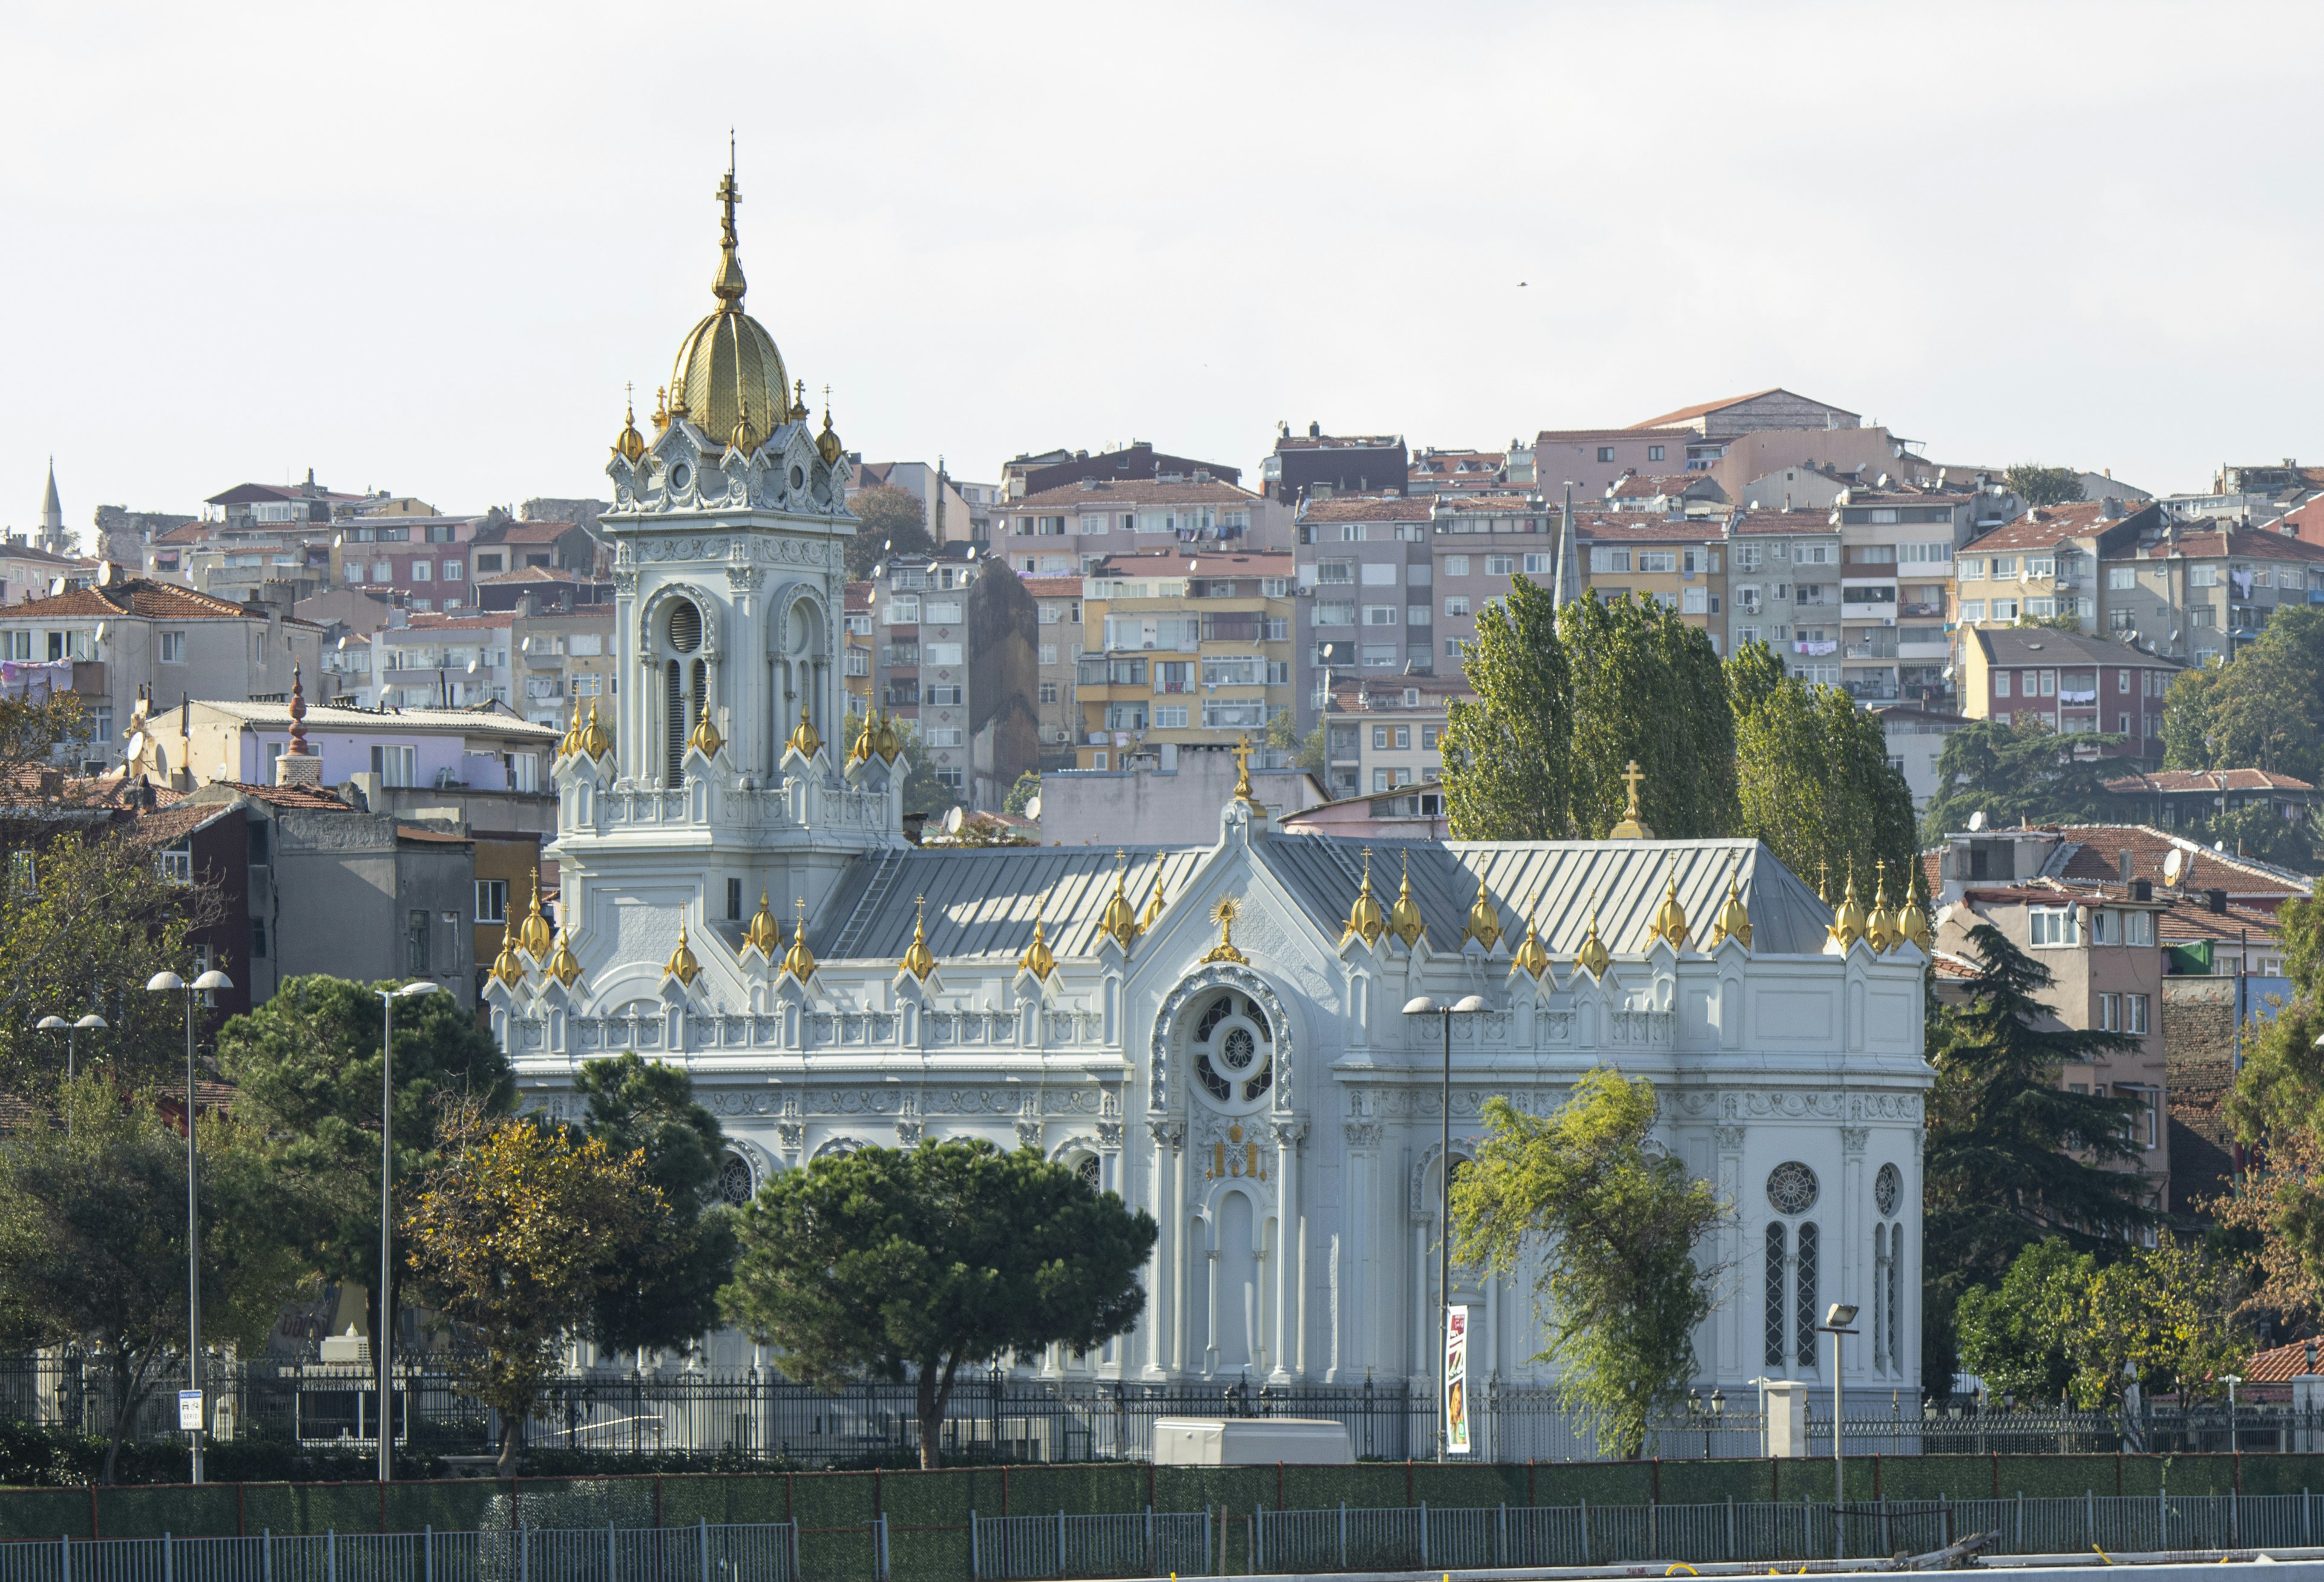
(594, 742)
(533, 932)
(1365, 919)
(1484, 919)
(804, 741)
(706, 737)
(867, 741)
(1403, 919)
(727, 366)
(629, 443)
(561, 964)
(763, 935)
(1120, 918)
(827, 443)
(799, 961)
(918, 960)
(1848, 923)
(570, 742)
(1734, 921)
(889, 742)
(1670, 917)
(681, 964)
(1913, 923)
(1038, 959)
(1531, 957)
(506, 967)
(1153, 903)
(1592, 957)
(1880, 928)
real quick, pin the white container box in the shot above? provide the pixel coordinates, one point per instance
(1250, 1441)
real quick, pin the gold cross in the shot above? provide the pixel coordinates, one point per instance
(1242, 769)
(1631, 778)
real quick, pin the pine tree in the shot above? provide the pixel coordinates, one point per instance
(2020, 773)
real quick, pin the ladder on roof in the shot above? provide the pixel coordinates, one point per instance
(891, 863)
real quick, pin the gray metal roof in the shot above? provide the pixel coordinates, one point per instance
(981, 899)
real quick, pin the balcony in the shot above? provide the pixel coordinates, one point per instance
(88, 678)
(1925, 611)
(1872, 651)
(1872, 688)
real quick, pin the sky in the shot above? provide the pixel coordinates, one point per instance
(423, 247)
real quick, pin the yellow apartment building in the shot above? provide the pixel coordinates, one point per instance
(1182, 650)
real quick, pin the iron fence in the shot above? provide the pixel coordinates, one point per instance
(1025, 1549)
(767, 1552)
(754, 1416)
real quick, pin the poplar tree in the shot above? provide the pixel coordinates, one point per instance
(1648, 688)
(1506, 753)
(1815, 783)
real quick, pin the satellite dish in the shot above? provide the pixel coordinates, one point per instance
(105, 572)
(2173, 866)
(472, 666)
(1033, 808)
(1976, 819)
(954, 818)
(1948, 673)
(136, 745)
(102, 627)
(2218, 845)
(878, 568)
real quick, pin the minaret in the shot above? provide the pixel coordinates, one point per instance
(52, 515)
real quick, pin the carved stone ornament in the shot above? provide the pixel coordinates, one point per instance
(1853, 1138)
(1167, 1133)
(1108, 1134)
(1362, 1134)
(1201, 981)
(1728, 1139)
(1792, 1188)
(1888, 1187)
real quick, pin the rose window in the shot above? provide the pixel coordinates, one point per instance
(1233, 1050)
(1792, 1188)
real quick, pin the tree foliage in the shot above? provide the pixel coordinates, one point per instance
(1611, 1224)
(1506, 754)
(93, 1239)
(2263, 710)
(894, 522)
(2020, 773)
(670, 1297)
(518, 1235)
(893, 1263)
(1021, 796)
(2064, 1324)
(1815, 780)
(2040, 485)
(1306, 752)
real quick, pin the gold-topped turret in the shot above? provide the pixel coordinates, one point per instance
(1880, 928)
(1734, 920)
(1670, 917)
(561, 963)
(533, 933)
(1154, 903)
(799, 961)
(764, 934)
(918, 960)
(1632, 827)
(596, 743)
(681, 964)
(888, 742)
(704, 736)
(570, 742)
(629, 443)
(1531, 957)
(1038, 959)
(507, 967)
(1594, 956)
(1484, 919)
(867, 740)
(1913, 923)
(804, 738)
(827, 444)
(727, 366)
(1848, 922)
(1120, 918)
(1404, 918)
(1366, 921)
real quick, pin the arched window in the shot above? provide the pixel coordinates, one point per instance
(686, 684)
(1777, 1262)
(1234, 1051)
(1803, 1297)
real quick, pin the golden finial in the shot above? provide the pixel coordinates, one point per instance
(1484, 919)
(629, 443)
(799, 401)
(1848, 923)
(889, 741)
(1880, 928)
(1223, 914)
(570, 742)
(1242, 791)
(1670, 917)
(804, 740)
(1404, 918)
(764, 934)
(661, 407)
(596, 743)
(799, 961)
(729, 285)
(827, 443)
(1365, 919)
(1632, 827)
(1913, 923)
(918, 960)
(506, 966)
(681, 964)
(742, 439)
(1734, 921)
(561, 964)
(1120, 918)
(1038, 959)
(867, 740)
(1154, 903)
(704, 736)
(533, 933)
(1594, 956)
(1823, 883)
(1531, 957)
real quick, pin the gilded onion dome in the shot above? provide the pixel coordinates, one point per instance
(570, 742)
(561, 964)
(1913, 923)
(1404, 918)
(804, 740)
(1670, 917)
(1734, 920)
(506, 966)
(889, 742)
(763, 935)
(595, 742)
(827, 443)
(799, 961)
(1366, 921)
(1848, 923)
(918, 960)
(1531, 957)
(704, 736)
(1037, 960)
(1880, 928)
(867, 741)
(1153, 903)
(1120, 918)
(1484, 919)
(727, 367)
(629, 443)
(1592, 957)
(533, 932)
(681, 964)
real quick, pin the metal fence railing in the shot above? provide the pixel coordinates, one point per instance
(1023, 1549)
(767, 1552)
(754, 1416)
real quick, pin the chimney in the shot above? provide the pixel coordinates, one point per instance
(2216, 901)
(2127, 864)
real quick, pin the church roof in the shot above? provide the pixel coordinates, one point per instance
(981, 900)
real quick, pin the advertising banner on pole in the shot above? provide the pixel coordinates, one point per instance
(1456, 1380)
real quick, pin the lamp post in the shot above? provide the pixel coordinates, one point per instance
(2231, 1381)
(93, 1022)
(1466, 1005)
(382, 1340)
(1717, 1416)
(163, 983)
(1836, 1319)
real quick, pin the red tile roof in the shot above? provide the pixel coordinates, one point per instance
(2213, 543)
(302, 797)
(1685, 415)
(1632, 486)
(1782, 522)
(145, 600)
(2098, 850)
(1099, 494)
(1198, 562)
(1052, 587)
(1645, 526)
(1367, 507)
(1570, 436)
(2280, 1364)
(523, 533)
(2167, 782)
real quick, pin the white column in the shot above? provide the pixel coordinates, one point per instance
(1854, 1223)
(1733, 1321)
(1290, 1242)
(1163, 1285)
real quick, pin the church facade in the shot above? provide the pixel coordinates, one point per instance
(1216, 1033)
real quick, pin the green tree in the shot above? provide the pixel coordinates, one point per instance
(1648, 689)
(2020, 773)
(1507, 753)
(2263, 710)
(93, 1239)
(2257, 830)
(2039, 485)
(1021, 796)
(924, 793)
(2013, 1334)
(894, 522)
(1815, 780)
(2188, 724)
(305, 1067)
(1306, 752)
(1754, 675)
(517, 1235)
(2010, 1156)
(670, 1298)
(892, 1263)
(1610, 1224)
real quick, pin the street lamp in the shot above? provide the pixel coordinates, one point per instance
(381, 1339)
(1468, 1005)
(93, 1022)
(163, 983)
(1836, 1320)
(2231, 1381)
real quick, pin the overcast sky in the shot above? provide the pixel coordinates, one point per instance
(422, 246)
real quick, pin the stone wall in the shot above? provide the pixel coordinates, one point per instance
(2198, 1041)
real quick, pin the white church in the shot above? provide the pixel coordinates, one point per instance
(1215, 1033)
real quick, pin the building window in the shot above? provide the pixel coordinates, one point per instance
(1049, 692)
(952, 780)
(173, 648)
(2052, 926)
(1777, 1264)
(2109, 1013)
(1605, 452)
(492, 900)
(422, 571)
(1603, 561)
(1803, 1299)
(1456, 566)
(2138, 928)
(1654, 452)
(2134, 1010)
(1456, 605)
(415, 943)
(395, 765)
(451, 571)
(1380, 615)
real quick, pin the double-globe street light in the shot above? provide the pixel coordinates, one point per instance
(163, 983)
(91, 1022)
(381, 1331)
(1466, 1005)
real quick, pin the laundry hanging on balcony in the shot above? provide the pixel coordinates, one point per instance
(31, 683)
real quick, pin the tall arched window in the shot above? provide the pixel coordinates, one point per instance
(1777, 1263)
(686, 684)
(1803, 1297)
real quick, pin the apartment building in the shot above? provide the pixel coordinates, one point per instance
(27, 571)
(921, 669)
(856, 632)
(945, 505)
(1191, 650)
(1057, 609)
(500, 546)
(1384, 732)
(1896, 549)
(2198, 593)
(1670, 493)
(2070, 683)
(1680, 561)
(423, 561)
(1317, 464)
(1452, 472)
(1477, 543)
(2178, 798)
(1591, 461)
(1366, 580)
(2045, 563)
(564, 661)
(1069, 531)
(1026, 474)
(1782, 582)
(431, 660)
